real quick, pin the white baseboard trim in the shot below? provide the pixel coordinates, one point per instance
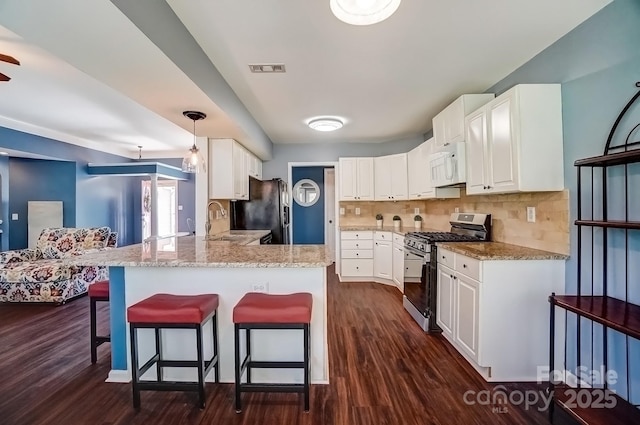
(119, 376)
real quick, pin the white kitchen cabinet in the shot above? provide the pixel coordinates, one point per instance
(356, 254)
(514, 143)
(445, 301)
(228, 175)
(419, 176)
(383, 255)
(376, 256)
(448, 125)
(494, 312)
(390, 180)
(398, 266)
(254, 165)
(467, 312)
(356, 179)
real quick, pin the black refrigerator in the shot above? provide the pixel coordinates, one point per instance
(267, 208)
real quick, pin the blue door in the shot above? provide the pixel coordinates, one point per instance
(308, 221)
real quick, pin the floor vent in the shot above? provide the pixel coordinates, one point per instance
(267, 67)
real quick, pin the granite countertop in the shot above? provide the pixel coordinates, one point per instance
(196, 251)
(238, 237)
(403, 229)
(499, 251)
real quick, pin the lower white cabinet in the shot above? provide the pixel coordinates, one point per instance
(374, 256)
(398, 266)
(445, 301)
(383, 255)
(467, 313)
(356, 254)
(496, 313)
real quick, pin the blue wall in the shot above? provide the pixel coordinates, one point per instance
(308, 222)
(100, 201)
(598, 64)
(39, 180)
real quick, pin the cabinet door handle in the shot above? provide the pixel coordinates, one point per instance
(455, 278)
(464, 266)
(357, 254)
(443, 257)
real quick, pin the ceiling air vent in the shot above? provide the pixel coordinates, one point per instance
(267, 67)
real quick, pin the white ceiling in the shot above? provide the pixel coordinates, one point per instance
(89, 72)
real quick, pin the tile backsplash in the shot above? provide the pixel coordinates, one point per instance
(550, 232)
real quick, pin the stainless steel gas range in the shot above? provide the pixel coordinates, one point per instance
(420, 248)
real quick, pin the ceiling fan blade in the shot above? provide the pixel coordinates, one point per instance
(9, 59)
(4, 77)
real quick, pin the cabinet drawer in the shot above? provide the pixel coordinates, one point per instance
(398, 239)
(357, 253)
(447, 258)
(413, 268)
(363, 268)
(468, 266)
(352, 235)
(357, 244)
(383, 236)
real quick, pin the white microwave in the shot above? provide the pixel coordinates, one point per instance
(448, 165)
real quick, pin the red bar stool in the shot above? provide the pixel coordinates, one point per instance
(265, 311)
(165, 311)
(98, 292)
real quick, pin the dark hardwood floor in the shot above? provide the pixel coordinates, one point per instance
(383, 370)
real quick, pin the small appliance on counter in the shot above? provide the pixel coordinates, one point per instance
(266, 209)
(420, 296)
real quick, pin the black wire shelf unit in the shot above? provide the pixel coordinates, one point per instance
(605, 213)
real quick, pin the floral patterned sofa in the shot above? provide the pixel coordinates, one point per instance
(41, 275)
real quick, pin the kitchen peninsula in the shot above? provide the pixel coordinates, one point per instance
(229, 265)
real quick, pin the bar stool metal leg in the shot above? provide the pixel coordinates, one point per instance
(200, 348)
(93, 324)
(214, 327)
(238, 368)
(307, 369)
(135, 379)
(247, 334)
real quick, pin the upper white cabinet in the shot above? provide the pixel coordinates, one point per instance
(390, 181)
(356, 179)
(420, 184)
(448, 125)
(254, 166)
(514, 143)
(228, 172)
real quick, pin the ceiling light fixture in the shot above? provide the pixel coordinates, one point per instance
(325, 124)
(363, 12)
(194, 162)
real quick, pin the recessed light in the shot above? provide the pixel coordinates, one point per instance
(363, 12)
(326, 124)
(4, 153)
(267, 67)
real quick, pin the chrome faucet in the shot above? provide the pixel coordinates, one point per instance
(223, 212)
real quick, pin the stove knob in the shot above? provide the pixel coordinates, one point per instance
(421, 247)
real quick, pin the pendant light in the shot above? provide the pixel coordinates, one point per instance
(193, 161)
